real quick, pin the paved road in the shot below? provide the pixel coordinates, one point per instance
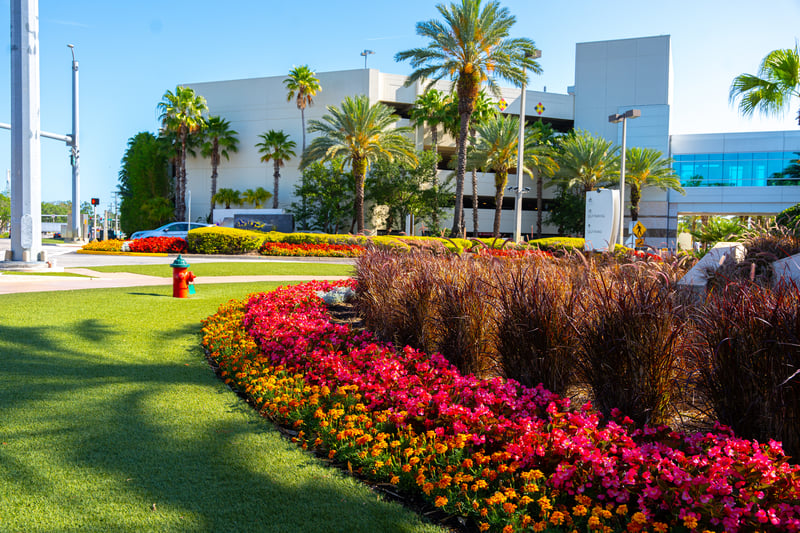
(65, 259)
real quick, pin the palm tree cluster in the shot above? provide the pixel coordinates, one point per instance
(471, 47)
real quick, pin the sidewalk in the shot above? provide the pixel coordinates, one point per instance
(11, 283)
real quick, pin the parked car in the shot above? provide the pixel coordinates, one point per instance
(173, 229)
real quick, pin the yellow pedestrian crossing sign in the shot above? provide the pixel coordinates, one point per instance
(639, 229)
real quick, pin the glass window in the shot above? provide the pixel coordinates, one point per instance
(178, 226)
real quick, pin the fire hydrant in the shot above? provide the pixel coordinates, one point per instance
(181, 278)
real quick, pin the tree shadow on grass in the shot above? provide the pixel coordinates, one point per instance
(94, 438)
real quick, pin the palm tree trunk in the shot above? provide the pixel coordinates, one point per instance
(636, 196)
(539, 195)
(460, 171)
(435, 216)
(475, 202)
(498, 201)
(303, 122)
(360, 174)
(180, 190)
(214, 165)
(277, 176)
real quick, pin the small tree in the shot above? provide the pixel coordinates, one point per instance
(144, 184)
(330, 191)
(256, 197)
(228, 197)
(407, 190)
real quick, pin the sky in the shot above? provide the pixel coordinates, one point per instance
(130, 53)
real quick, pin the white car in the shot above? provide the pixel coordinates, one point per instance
(173, 229)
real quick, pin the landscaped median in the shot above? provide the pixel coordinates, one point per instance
(231, 241)
(506, 457)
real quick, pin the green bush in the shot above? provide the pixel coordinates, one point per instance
(229, 241)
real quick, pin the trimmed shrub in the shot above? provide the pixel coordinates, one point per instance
(219, 240)
(111, 245)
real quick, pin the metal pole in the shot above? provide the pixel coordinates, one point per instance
(26, 164)
(188, 210)
(520, 159)
(622, 183)
(75, 154)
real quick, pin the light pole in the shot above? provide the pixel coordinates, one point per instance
(520, 150)
(75, 154)
(614, 119)
(366, 53)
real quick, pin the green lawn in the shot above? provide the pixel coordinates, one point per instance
(261, 268)
(108, 408)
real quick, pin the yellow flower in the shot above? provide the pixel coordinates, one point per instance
(622, 509)
(557, 518)
(593, 522)
(579, 510)
(660, 527)
(690, 522)
(395, 480)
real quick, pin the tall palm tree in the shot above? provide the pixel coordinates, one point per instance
(772, 89)
(218, 140)
(586, 162)
(496, 149)
(361, 133)
(646, 167)
(278, 148)
(470, 47)
(181, 113)
(303, 86)
(541, 160)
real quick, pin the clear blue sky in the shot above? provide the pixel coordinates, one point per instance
(130, 53)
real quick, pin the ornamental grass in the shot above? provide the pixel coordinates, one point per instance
(500, 455)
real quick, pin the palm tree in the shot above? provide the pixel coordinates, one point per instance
(256, 197)
(470, 47)
(361, 133)
(277, 148)
(496, 150)
(429, 108)
(646, 167)
(228, 197)
(484, 110)
(218, 140)
(541, 160)
(771, 91)
(181, 112)
(303, 85)
(586, 162)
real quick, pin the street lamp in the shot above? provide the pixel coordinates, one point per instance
(615, 119)
(75, 154)
(520, 149)
(366, 53)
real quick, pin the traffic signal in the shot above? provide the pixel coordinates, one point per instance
(95, 201)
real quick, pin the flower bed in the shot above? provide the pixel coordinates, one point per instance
(314, 250)
(508, 457)
(173, 245)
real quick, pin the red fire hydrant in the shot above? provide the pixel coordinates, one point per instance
(181, 278)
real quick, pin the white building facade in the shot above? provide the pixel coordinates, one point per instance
(722, 173)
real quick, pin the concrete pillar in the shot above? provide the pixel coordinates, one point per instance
(26, 169)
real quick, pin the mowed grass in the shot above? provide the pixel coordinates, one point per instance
(111, 420)
(260, 268)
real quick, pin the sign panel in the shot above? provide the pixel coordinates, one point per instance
(639, 229)
(265, 223)
(602, 219)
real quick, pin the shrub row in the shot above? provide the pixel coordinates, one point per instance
(504, 456)
(172, 245)
(622, 332)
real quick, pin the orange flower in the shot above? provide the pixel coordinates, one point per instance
(440, 501)
(557, 518)
(508, 529)
(483, 526)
